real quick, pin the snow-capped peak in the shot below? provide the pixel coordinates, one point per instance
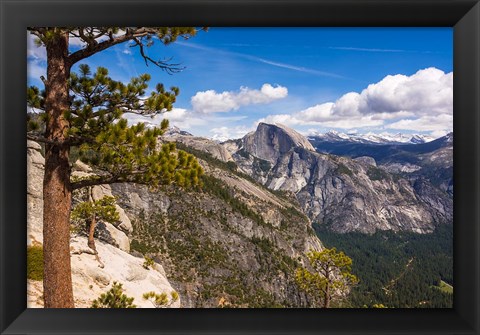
(382, 138)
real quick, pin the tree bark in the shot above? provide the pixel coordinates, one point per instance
(91, 233)
(327, 296)
(327, 289)
(57, 193)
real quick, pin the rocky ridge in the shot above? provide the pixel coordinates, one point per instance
(431, 160)
(232, 243)
(344, 194)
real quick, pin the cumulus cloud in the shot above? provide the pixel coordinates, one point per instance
(333, 122)
(429, 91)
(36, 58)
(420, 102)
(224, 133)
(432, 123)
(179, 117)
(212, 102)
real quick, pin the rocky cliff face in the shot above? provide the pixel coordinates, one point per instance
(269, 142)
(202, 144)
(232, 243)
(432, 160)
(91, 277)
(344, 194)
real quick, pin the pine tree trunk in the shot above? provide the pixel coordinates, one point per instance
(327, 297)
(57, 193)
(91, 233)
(327, 290)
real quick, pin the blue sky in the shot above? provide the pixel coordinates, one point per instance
(312, 79)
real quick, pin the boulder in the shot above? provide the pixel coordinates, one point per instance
(100, 191)
(124, 222)
(81, 166)
(110, 234)
(91, 279)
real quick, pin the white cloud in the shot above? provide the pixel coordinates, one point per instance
(212, 102)
(432, 123)
(36, 58)
(34, 51)
(286, 119)
(36, 69)
(429, 91)
(316, 113)
(224, 133)
(179, 117)
(439, 133)
(217, 51)
(420, 102)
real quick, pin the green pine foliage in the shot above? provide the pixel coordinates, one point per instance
(85, 110)
(161, 300)
(398, 270)
(114, 298)
(375, 173)
(148, 263)
(328, 278)
(35, 262)
(219, 189)
(117, 151)
(343, 169)
(103, 209)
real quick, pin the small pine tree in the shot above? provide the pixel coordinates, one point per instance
(114, 298)
(148, 263)
(331, 277)
(161, 300)
(379, 306)
(92, 211)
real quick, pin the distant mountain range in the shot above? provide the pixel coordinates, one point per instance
(354, 189)
(382, 152)
(432, 160)
(371, 138)
(348, 182)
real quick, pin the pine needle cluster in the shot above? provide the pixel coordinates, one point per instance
(103, 209)
(161, 300)
(330, 279)
(114, 298)
(119, 152)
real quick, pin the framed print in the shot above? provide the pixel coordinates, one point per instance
(307, 180)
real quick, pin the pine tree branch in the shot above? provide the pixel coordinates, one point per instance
(37, 31)
(130, 34)
(110, 179)
(42, 139)
(71, 140)
(94, 181)
(170, 68)
(93, 49)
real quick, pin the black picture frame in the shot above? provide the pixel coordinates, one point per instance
(462, 15)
